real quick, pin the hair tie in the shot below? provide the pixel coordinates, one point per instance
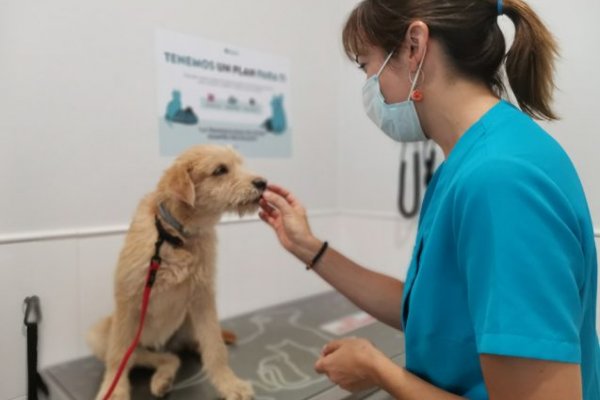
(500, 7)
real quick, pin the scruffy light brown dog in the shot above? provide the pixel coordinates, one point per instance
(202, 184)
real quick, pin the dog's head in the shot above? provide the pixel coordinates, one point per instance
(212, 179)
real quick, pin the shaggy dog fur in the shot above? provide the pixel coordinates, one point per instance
(202, 184)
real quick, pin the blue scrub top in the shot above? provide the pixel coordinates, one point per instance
(504, 261)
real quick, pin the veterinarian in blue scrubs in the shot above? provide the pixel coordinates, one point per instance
(499, 301)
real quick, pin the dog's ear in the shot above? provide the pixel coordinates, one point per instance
(178, 183)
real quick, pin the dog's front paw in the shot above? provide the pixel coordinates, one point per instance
(237, 390)
(161, 383)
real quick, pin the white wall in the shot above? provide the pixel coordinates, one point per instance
(78, 147)
(78, 101)
(578, 83)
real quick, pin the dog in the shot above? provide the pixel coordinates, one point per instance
(203, 183)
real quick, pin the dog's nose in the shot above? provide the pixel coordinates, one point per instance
(260, 184)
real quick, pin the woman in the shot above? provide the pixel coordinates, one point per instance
(499, 300)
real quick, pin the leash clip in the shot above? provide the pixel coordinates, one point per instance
(33, 312)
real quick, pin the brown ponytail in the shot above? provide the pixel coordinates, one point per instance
(530, 61)
(469, 33)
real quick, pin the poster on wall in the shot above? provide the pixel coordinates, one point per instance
(210, 92)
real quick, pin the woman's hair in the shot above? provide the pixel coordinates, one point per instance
(468, 31)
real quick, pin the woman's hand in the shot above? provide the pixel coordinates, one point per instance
(351, 363)
(287, 217)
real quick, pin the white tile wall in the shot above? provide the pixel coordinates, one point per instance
(255, 271)
(49, 270)
(380, 241)
(97, 261)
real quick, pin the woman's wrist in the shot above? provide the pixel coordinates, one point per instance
(382, 368)
(307, 248)
(401, 383)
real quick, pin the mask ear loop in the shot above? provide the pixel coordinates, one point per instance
(420, 76)
(387, 59)
(417, 95)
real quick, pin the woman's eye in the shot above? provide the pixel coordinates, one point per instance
(361, 65)
(220, 170)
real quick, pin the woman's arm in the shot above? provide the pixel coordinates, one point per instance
(402, 384)
(355, 364)
(377, 294)
(529, 379)
(506, 378)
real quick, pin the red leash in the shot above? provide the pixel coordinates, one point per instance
(155, 262)
(154, 266)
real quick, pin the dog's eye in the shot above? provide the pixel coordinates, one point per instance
(221, 170)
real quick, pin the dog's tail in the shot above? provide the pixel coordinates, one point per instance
(97, 337)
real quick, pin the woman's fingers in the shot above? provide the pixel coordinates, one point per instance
(278, 189)
(263, 215)
(320, 366)
(265, 206)
(331, 347)
(272, 221)
(278, 201)
(270, 212)
(284, 193)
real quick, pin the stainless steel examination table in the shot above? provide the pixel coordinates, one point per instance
(276, 350)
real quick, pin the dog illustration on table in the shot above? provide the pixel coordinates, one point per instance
(285, 363)
(203, 183)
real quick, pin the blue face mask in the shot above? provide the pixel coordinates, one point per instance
(399, 121)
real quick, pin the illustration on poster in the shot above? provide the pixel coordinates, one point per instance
(276, 124)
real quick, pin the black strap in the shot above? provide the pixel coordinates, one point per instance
(163, 235)
(429, 166)
(404, 211)
(31, 320)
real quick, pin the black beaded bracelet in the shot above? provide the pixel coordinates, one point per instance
(316, 259)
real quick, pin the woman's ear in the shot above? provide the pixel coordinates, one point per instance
(177, 183)
(417, 36)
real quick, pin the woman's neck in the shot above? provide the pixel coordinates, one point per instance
(449, 110)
